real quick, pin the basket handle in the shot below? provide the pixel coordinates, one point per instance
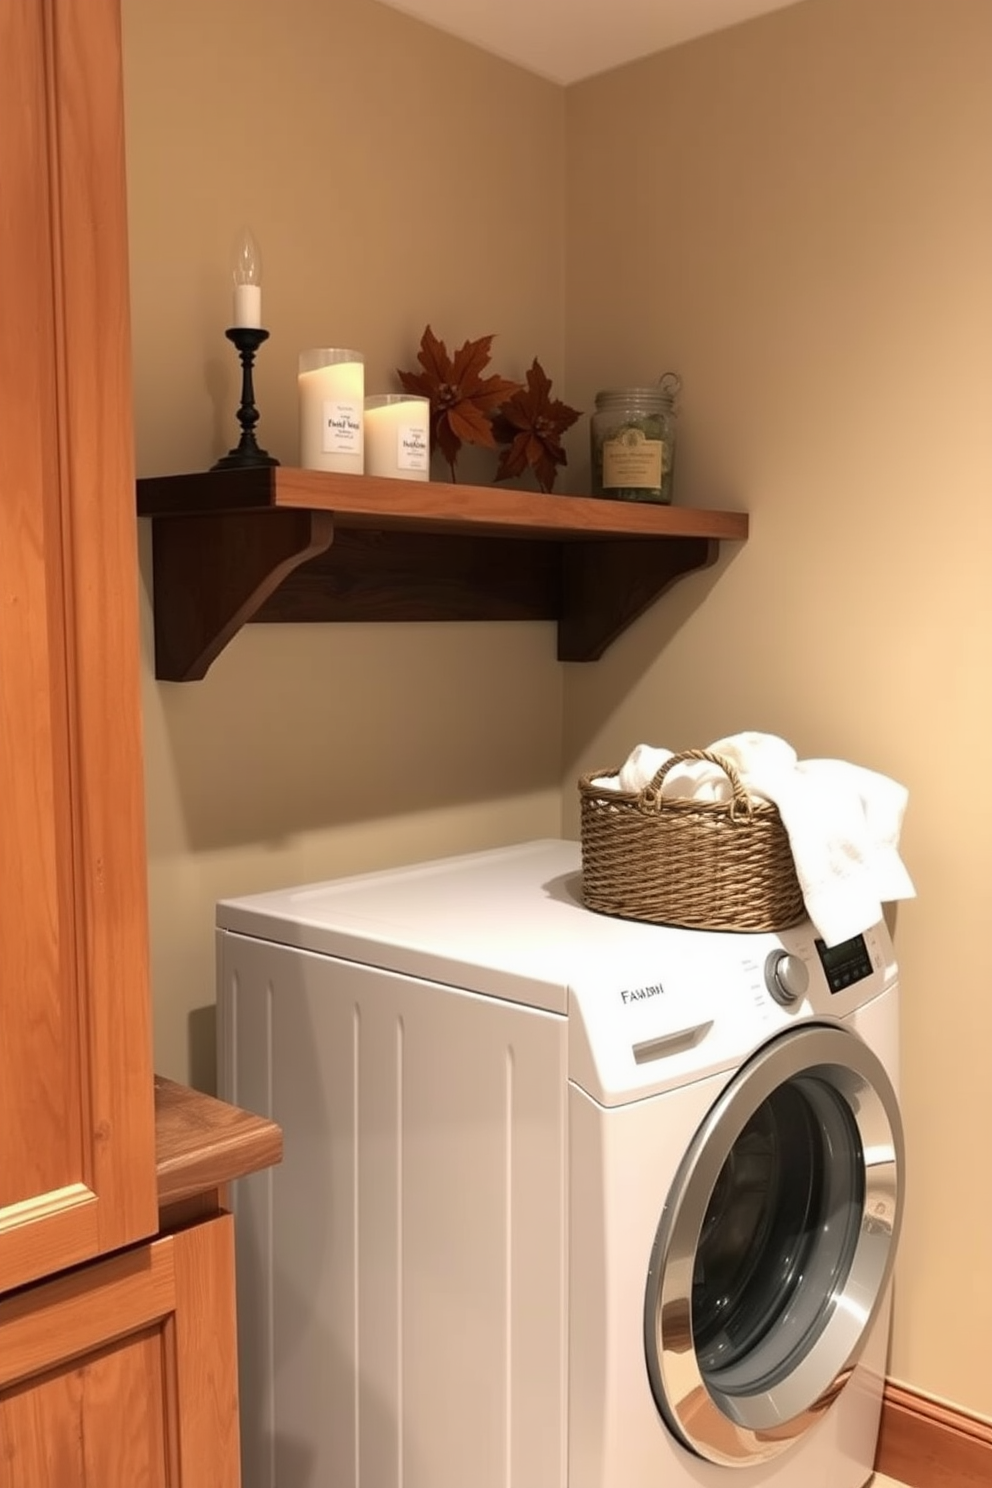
(651, 794)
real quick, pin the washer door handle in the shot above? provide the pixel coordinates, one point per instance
(670, 1043)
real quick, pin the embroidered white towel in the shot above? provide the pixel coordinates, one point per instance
(829, 840)
(843, 824)
(756, 755)
(884, 804)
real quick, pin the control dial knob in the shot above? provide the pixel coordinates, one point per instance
(786, 977)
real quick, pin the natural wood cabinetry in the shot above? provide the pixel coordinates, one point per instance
(117, 1321)
(125, 1373)
(76, 1110)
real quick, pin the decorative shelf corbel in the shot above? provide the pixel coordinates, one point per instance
(283, 545)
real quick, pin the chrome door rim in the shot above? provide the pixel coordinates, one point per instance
(740, 1429)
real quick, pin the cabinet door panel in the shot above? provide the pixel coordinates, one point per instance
(114, 1398)
(124, 1373)
(36, 1100)
(77, 1170)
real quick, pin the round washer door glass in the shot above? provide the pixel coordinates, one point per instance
(776, 1245)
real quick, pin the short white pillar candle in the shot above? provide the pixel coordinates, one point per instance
(397, 436)
(247, 282)
(331, 385)
(247, 305)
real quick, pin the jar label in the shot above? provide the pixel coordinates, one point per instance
(631, 460)
(342, 428)
(412, 452)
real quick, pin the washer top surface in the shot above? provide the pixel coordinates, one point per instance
(510, 923)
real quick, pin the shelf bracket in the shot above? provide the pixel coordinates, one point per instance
(607, 585)
(212, 572)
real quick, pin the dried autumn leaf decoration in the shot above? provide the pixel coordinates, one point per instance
(461, 398)
(531, 423)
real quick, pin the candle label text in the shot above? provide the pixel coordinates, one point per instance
(412, 450)
(342, 428)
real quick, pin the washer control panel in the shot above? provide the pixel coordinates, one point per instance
(695, 1002)
(846, 963)
(786, 977)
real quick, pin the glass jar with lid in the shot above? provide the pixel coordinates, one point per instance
(633, 442)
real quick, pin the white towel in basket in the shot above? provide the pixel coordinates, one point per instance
(843, 821)
(698, 779)
(639, 768)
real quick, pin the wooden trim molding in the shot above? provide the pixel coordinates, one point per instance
(928, 1445)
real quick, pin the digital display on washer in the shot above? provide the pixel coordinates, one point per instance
(846, 963)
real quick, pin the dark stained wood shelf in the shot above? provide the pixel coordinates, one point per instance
(202, 1143)
(278, 545)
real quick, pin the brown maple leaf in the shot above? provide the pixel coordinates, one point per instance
(461, 398)
(531, 424)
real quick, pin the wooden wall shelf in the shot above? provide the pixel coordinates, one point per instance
(292, 545)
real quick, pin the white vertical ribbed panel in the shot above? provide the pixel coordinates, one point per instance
(244, 1047)
(418, 1250)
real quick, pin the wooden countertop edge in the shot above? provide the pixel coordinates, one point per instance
(202, 1143)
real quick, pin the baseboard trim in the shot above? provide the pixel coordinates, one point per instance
(927, 1445)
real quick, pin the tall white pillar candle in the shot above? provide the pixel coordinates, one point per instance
(397, 436)
(332, 395)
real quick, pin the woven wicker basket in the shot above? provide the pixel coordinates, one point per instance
(676, 861)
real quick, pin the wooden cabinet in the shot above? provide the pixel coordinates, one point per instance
(125, 1373)
(76, 1109)
(117, 1324)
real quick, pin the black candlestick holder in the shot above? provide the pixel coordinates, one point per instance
(247, 339)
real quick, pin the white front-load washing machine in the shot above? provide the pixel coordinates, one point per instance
(567, 1201)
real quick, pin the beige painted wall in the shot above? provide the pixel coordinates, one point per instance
(391, 177)
(797, 214)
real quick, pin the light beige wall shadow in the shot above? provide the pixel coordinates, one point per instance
(806, 235)
(793, 214)
(393, 177)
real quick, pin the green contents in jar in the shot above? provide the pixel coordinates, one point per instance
(633, 443)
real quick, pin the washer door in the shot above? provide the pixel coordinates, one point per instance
(775, 1247)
